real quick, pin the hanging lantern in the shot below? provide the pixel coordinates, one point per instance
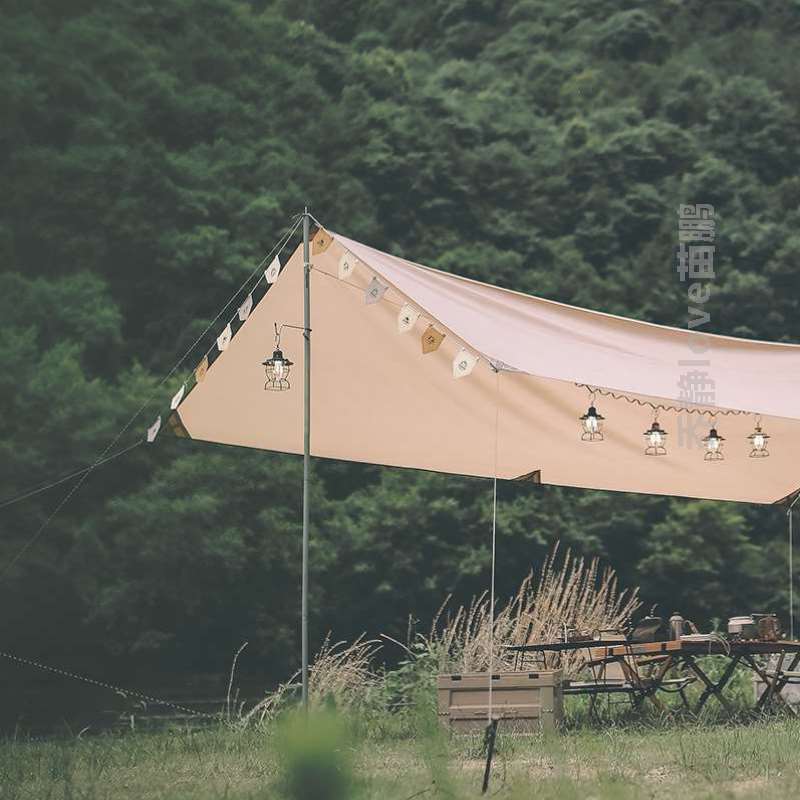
(656, 439)
(758, 441)
(713, 444)
(592, 424)
(277, 368)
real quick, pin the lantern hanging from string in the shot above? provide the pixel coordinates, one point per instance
(656, 438)
(277, 368)
(758, 441)
(713, 444)
(592, 424)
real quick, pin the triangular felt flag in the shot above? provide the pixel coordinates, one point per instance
(375, 291)
(273, 270)
(431, 339)
(321, 242)
(407, 318)
(153, 430)
(464, 363)
(224, 339)
(201, 369)
(244, 308)
(176, 426)
(176, 400)
(347, 265)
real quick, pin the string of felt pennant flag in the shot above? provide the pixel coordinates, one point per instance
(464, 361)
(264, 278)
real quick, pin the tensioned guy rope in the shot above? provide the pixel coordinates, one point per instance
(34, 490)
(103, 685)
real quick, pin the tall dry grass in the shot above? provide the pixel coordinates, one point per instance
(568, 592)
(340, 674)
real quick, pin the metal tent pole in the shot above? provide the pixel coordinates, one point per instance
(791, 570)
(306, 445)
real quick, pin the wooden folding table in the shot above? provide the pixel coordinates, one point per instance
(686, 652)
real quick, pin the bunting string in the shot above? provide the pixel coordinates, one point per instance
(199, 372)
(414, 314)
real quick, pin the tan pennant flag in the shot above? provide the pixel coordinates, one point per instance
(153, 430)
(321, 242)
(245, 308)
(375, 291)
(347, 265)
(273, 270)
(201, 369)
(464, 363)
(431, 339)
(177, 397)
(176, 426)
(224, 339)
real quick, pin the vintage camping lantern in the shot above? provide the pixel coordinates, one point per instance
(592, 424)
(277, 368)
(758, 441)
(713, 444)
(656, 438)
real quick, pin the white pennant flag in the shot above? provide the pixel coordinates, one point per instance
(224, 339)
(407, 318)
(153, 430)
(347, 265)
(463, 363)
(244, 308)
(375, 291)
(176, 400)
(273, 270)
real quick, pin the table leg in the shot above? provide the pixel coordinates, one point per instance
(768, 682)
(711, 687)
(775, 686)
(653, 684)
(770, 688)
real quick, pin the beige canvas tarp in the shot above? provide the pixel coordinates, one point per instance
(377, 398)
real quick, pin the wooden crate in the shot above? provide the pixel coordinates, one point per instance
(524, 702)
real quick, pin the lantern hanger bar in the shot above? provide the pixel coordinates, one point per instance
(712, 412)
(278, 330)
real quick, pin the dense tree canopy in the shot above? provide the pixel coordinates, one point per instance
(151, 152)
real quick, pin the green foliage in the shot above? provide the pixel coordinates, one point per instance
(152, 151)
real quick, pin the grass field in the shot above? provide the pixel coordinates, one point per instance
(393, 759)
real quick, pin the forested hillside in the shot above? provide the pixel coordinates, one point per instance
(151, 152)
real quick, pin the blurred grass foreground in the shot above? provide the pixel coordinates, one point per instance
(329, 757)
